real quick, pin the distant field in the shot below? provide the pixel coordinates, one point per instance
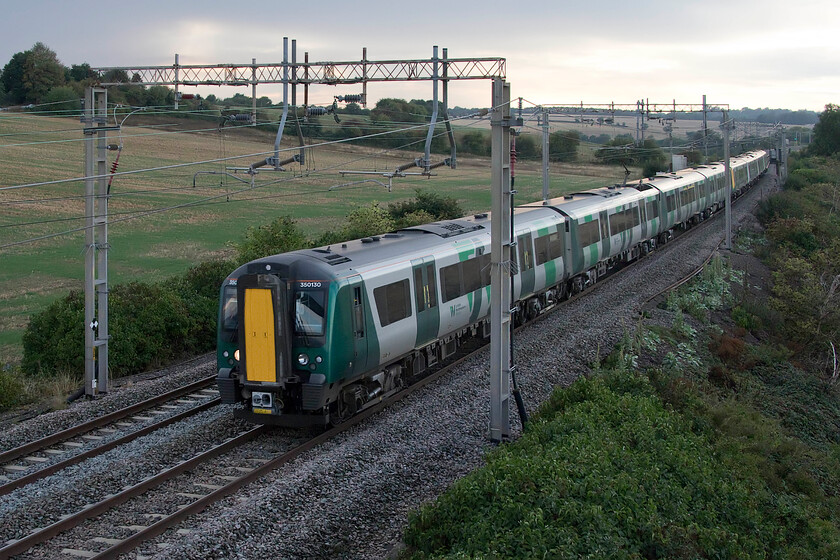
(37, 149)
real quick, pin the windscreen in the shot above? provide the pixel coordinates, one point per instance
(309, 310)
(229, 309)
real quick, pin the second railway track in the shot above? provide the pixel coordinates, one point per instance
(217, 484)
(37, 459)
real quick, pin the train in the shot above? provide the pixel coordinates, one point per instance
(310, 337)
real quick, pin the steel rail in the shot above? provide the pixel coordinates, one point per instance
(37, 445)
(55, 467)
(132, 542)
(92, 510)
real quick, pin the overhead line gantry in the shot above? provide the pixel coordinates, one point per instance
(291, 72)
(437, 69)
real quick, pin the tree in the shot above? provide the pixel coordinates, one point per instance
(12, 78)
(159, 96)
(527, 147)
(365, 221)
(398, 110)
(353, 109)
(80, 72)
(476, 142)
(63, 98)
(652, 158)
(826, 140)
(437, 206)
(280, 236)
(617, 150)
(41, 72)
(563, 145)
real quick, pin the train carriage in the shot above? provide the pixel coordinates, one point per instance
(311, 337)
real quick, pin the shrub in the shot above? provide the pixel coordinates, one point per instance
(54, 340)
(280, 236)
(607, 468)
(795, 182)
(149, 325)
(438, 206)
(365, 221)
(12, 390)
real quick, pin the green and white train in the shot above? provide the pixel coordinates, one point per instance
(311, 337)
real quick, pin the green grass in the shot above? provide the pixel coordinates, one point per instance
(608, 470)
(158, 246)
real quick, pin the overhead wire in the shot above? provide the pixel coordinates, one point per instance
(203, 201)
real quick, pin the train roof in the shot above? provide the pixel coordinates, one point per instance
(415, 242)
(347, 257)
(584, 203)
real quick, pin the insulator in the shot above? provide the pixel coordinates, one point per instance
(245, 117)
(114, 166)
(353, 98)
(405, 166)
(316, 111)
(187, 96)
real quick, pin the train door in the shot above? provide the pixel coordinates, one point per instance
(527, 274)
(263, 328)
(606, 245)
(426, 300)
(363, 353)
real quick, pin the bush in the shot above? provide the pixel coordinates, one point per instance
(150, 325)
(54, 340)
(475, 142)
(563, 146)
(280, 236)
(12, 390)
(605, 467)
(64, 99)
(795, 182)
(438, 206)
(365, 221)
(795, 234)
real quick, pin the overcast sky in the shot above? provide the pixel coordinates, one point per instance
(768, 53)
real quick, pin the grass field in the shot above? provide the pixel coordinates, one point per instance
(154, 246)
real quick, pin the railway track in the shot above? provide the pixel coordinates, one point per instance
(32, 461)
(112, 546)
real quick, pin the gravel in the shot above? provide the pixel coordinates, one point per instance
(351, 497)
(71, 489)
(125, 392)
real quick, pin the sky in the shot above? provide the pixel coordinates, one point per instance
(744, 53)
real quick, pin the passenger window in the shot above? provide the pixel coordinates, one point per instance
(588, 233)
(431, 286)
(392, 302)
(450, 281)
(526, 260)
(652, 210)
(358, 314)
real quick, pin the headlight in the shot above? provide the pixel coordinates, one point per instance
(303, 359)
(236, 355)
